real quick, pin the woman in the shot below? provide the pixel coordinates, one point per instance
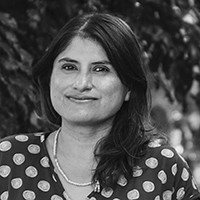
(92, 85)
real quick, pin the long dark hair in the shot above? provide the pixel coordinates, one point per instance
(126, 143)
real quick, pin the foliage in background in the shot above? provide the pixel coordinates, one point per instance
(168, 30)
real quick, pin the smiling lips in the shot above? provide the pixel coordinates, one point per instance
(81, 99)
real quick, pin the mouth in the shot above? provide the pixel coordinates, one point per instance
(81, 99)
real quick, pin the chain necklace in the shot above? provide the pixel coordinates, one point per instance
(96, 184)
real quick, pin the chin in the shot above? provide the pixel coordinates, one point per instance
(84, 121)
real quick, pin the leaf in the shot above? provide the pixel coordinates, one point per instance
(7, 20)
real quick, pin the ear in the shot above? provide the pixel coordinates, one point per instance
(127, 96)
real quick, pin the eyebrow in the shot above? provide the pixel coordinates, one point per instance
(102, 62)
(68, 60)
(75, 61)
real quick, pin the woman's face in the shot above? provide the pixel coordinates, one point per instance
(84, 86)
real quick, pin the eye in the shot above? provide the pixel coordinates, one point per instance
(69, 67)
(101, 68)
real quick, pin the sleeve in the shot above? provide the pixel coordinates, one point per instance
(184, 183)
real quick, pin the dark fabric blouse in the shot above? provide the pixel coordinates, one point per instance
(26, 172)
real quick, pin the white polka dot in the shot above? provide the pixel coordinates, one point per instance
(45, 162)
(116, 199)
(21, 138)
(29, 195)
(4, 195)
(194, 184)
(16, 183)
(42, 138)
(34, 148)
(44, 186)
(137, 171)
(148, 186)
(154, 144)
(122, 180)
(167, 153)
(31, 171)
(4, 170)
(107, 192)
(185, 174)
(180, 194)
(56, 197)
(18, 158)
(133, 194)
(5, 146)
(162, 176)
(174, 169)
(152, 162)
(157, 197)
(167, 195)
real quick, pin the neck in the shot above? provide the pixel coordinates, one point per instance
(96, 184)
(75, 150)
(80, 141)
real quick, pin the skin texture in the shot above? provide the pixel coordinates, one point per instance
(85, 88)
(86, 92)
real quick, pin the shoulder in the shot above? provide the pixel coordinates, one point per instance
(164, 154)
(165, 171)
(23, 159)
(16, 144)
(8, 142)
(161, 174)
(164, 164)
(163, 157)
(18, 149)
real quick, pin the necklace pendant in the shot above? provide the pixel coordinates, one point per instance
(97, 186)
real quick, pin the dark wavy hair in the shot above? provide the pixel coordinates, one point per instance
(126, 143)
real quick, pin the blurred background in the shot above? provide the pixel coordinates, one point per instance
(169, 32)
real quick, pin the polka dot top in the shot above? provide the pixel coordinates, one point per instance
(26, 172)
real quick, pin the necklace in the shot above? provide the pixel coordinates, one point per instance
(96, 184)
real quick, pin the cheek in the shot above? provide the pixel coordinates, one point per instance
(115, 90)
(56, 83)
(55, 87)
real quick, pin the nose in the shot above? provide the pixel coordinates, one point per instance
(83, 82)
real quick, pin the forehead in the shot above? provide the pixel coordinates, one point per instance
(84, 46)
